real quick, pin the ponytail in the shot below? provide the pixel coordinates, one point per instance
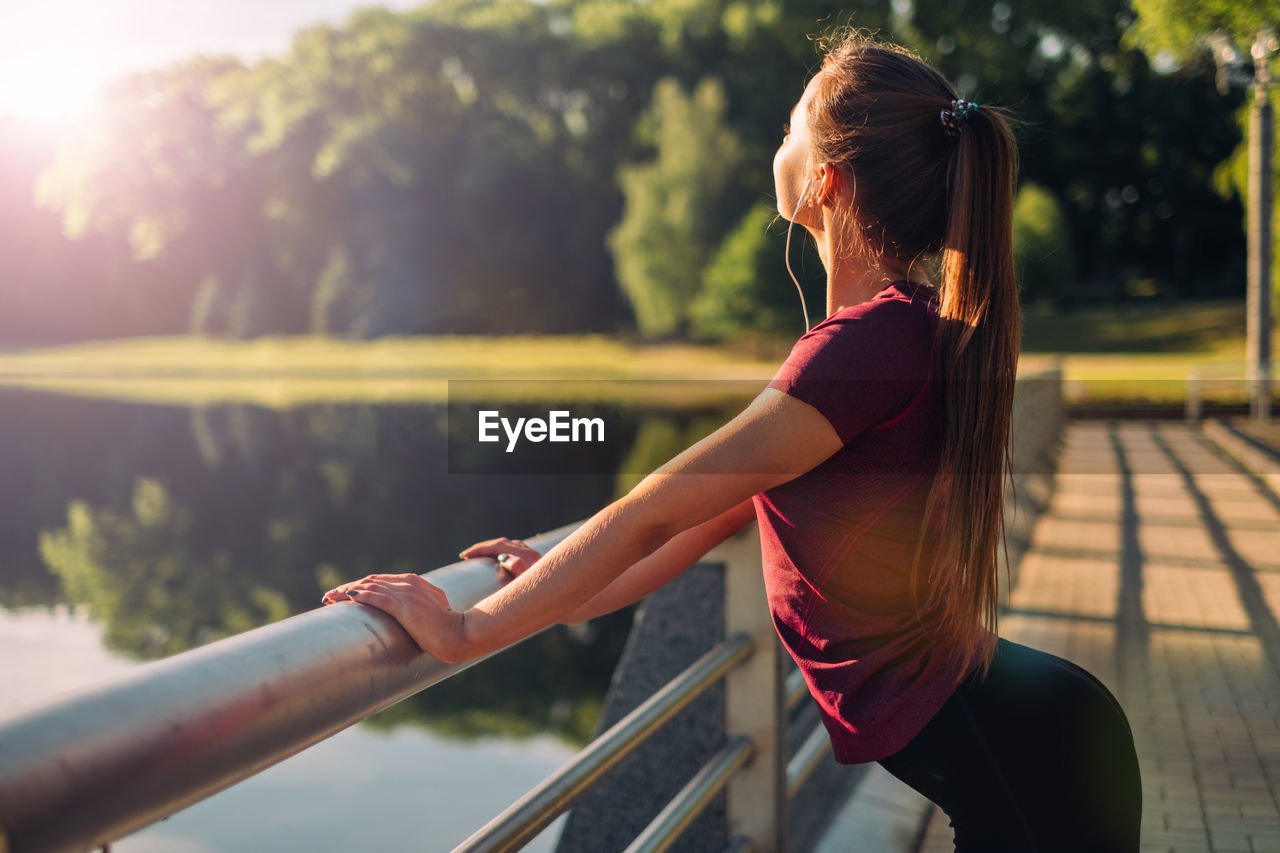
(976, 359)
(934, 182)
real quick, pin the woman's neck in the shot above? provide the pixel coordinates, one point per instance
(852, 280)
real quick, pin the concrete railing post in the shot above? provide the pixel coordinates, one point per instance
(755, 700)
(1039, 414)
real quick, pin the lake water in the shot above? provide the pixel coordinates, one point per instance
(131, 532)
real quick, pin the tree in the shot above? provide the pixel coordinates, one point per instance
(455, 169)
(744, 287)
(678, 204)
(1179, 27)
(1182, 30)
(1041, 244)
(1102, 130)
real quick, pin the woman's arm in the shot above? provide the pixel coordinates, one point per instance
(663, 565)
(773, 440)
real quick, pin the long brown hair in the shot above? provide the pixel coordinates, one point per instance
(922, 193)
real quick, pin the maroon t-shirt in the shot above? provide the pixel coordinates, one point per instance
(837, 541)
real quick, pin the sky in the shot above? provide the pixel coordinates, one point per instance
(55, 53)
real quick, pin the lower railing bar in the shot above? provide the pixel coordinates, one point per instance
(807, 758)
(796, 689)
(663, 831)
(533, 812)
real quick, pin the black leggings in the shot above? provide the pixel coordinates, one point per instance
(1038, 757)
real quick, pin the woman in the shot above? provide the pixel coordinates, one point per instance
(874, 463)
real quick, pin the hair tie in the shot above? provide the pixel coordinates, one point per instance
(954, 119)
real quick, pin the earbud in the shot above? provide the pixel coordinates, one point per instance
(787, 253)
(803, 190)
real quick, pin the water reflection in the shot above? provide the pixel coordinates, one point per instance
(178, 526)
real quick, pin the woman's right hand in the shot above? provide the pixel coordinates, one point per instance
(513, 555)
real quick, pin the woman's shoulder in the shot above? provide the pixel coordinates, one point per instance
(899, 304)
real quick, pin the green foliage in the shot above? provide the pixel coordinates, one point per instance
(1103, 131)
(659, 439)
(333, 290)
(1181, 29)
(1180, 26)
(676, 204)
(1232, 179)
(744, 287)
(1042, 245)
(135, 572)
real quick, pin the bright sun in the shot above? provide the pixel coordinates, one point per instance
(54, 55)
(46, 87)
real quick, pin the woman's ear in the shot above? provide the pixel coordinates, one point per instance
(830, 182)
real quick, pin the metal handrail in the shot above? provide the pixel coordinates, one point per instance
(533, 812)
(1255, 385)
(807, 758)
(796, 690)
(664, 829)
(114, 758)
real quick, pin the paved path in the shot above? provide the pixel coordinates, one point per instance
(1157, 567)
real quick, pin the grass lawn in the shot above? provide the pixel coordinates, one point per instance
(282, 372)
(1126, 353)
(1202, 328)
(1145, 352)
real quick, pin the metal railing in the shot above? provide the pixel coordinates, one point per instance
(751, 765)
(1247, 384)
(114, 758)
(533, 812)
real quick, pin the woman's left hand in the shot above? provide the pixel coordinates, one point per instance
(421, 608)
(513, 555)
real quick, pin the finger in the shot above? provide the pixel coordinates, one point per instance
(492, 546)
(407, 585)
(513, 564)
(480, 546)
(342, 587)
(394, 585)
(338, 593)
(515, 549)
(344, 592)
(487, 551)
(383, 601)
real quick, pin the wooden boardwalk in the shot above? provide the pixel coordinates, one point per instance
(1157, 567)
